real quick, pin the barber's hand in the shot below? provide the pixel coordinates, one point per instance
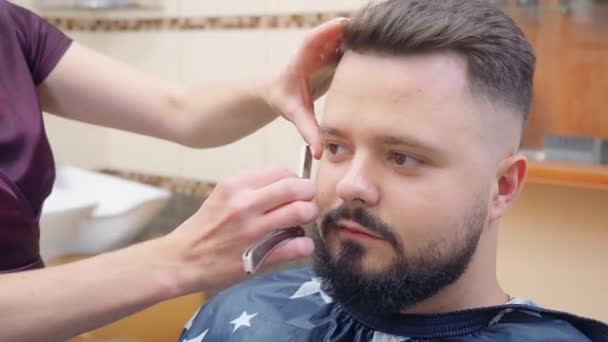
(305, 78)
(239, 211)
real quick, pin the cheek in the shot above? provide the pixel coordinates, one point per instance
(326, 180)
(423, 209)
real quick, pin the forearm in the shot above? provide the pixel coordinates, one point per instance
(113, 94)
(93, 88)
(220, 113)
(60, 302)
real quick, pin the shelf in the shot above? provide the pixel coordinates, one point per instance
(583, 176)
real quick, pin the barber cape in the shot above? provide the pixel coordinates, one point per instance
(290, 306)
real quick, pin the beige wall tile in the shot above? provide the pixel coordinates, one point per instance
(223, 55)
(157, 53)
(75, 143)
(168, 8)
(29, 4)
(227, 161)
(88, 38)
(282, 45)
(191, 8)
(282, 145)
(128, 151)
(299, 6)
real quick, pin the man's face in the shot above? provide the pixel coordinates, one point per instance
(402, 185)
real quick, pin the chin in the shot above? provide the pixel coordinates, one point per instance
(334, 244)
(371, 266)
(367, 265)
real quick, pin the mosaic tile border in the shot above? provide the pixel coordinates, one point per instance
(241, 22)
(278, 21)
(174, 184)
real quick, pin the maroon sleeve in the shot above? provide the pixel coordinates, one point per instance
(42, 44)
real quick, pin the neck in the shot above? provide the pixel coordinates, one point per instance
(477, 287)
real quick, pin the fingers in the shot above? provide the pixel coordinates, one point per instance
(305, 121)
(285, 202)
(292, 214)
(320, 46)
(290, 250)
(283, 192)
(313, 63)
(254, 179)
(320, 81)
(308, 127)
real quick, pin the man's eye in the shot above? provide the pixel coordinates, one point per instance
(402, 159)
(334, 148)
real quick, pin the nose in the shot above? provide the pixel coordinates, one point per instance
(358, 185)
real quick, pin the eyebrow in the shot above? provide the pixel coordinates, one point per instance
(325, 130)
(392, 140)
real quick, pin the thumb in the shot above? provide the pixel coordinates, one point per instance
(297, 248)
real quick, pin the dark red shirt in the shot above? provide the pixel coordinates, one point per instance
(29, 50)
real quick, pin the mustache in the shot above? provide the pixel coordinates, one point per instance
(362, 217)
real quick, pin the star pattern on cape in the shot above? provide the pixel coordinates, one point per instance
(309, 288)
(189, 324)
(242, 321)
(198, 338)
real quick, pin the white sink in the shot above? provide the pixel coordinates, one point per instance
(90, 212)
(62, 215)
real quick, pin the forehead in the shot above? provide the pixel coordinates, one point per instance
(418, 95)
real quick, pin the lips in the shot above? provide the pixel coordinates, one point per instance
(355, 228)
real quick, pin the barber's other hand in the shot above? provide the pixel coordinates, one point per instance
(209, 245)
(305, 78)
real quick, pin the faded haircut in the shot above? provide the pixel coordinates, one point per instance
(500, 60)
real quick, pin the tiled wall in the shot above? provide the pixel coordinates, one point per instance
(552, 245)
(193, 8)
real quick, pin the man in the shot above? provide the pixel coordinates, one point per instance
(421, 131)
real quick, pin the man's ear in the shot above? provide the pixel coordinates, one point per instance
(509, 182)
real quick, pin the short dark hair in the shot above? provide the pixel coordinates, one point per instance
(500, 60)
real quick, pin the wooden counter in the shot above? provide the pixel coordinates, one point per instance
(583, 176)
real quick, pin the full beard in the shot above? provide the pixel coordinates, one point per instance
(407, 280)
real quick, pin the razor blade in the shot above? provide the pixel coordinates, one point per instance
(260, 250)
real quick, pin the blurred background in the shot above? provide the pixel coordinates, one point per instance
(554, 244)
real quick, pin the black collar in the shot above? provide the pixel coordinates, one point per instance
(456, 323)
